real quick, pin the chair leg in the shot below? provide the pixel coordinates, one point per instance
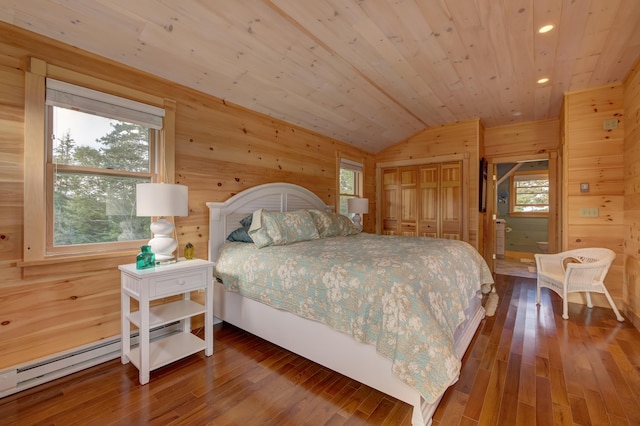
(613, 306)
(589, 303)
(565, 308)
(538, 295)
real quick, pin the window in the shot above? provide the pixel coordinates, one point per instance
(351, 182)
(530, 193)
(85, 150)
(99, 147)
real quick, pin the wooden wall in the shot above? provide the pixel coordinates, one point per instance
(521, 141)
(456, 138)
(221, 149)
(595, 156)
(631, 288)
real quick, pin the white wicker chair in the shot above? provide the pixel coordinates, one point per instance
(579, 270)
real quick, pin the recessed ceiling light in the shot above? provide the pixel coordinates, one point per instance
(516, 113)
(543, 80)
(545, 29)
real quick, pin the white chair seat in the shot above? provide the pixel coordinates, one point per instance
(579, 270)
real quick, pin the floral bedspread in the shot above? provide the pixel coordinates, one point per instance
(405, 295)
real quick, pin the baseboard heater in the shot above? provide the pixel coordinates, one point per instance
(34, 373)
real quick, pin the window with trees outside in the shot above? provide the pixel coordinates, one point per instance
(351, 182)
(99, 147)
(530, 193)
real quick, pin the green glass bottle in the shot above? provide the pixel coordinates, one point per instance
(188, 251)
(146, 258)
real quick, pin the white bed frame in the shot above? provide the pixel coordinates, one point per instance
(311, 339)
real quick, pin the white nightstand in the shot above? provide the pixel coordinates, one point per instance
(145, 285)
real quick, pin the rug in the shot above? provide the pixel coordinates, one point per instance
(490, 304)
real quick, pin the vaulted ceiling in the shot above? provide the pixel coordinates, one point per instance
(366, 72)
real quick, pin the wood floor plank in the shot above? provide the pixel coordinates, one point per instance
(509, 402)
(477, 396)
(526, 365)
(527, 388)
(351, 405)
(544, 410)
(562, 415)
(455, 408)
(596, 407)
(489, 414)
(399, 415)
(558, 387)
(526, 415)
(579, 410)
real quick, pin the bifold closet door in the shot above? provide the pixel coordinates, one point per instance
(451, 201)
(423, 200)
(391, 201)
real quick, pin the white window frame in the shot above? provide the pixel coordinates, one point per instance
(358, 168)
(525, 176)
(35, 150)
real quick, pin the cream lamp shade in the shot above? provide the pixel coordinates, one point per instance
(357, 206)
(161, 200)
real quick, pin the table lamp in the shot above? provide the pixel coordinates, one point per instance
(161, 200)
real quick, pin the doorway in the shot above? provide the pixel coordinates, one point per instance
(517, 226)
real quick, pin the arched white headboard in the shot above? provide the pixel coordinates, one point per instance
(224, 217)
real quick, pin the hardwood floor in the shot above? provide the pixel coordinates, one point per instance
(525, 366)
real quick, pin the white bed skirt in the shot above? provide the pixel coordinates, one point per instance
(333, 349)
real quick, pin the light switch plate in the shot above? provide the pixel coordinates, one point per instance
(589, 212)
(610, 124)
(584, 187)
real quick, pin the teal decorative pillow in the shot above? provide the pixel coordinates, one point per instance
(281, 228)
(241, 235)
(246, 221)
(333, 224)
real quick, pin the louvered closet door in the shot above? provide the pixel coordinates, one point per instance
(391, 201)
(451, 201)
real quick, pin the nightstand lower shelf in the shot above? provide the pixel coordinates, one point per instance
(169, 312)
(169, 349)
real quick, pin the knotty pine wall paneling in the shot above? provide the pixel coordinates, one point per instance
(438, 142)
(595, 155)
(522, 141)
(631, 287)
(221, 149)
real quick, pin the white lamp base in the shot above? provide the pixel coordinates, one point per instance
(162, 244)
(357, 221)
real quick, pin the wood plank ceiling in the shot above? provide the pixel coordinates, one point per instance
(366, 72)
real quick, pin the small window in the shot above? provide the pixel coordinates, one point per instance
(351, 182)
(99, 147)
(530, 193)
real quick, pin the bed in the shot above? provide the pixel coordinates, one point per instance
(326, 320)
